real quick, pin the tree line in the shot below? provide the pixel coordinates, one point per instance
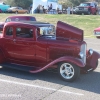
(26, 3)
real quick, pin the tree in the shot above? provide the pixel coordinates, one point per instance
(21, 3)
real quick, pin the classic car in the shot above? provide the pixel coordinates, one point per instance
(37, 46)
(17, 10)
(4, 7)
(97, 32)
(17, 18)
(87, 8)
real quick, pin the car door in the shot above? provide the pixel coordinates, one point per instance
(22, 46)
(8, 41)
(24, 43)
(20, 10)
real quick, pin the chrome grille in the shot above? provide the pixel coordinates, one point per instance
(83, 50)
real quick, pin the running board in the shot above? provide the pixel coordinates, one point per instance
(19, 67)
(90, 69)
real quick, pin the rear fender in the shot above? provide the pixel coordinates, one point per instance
(73, 60)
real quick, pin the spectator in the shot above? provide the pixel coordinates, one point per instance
(50, 7)
(38, 9)
(43, 9)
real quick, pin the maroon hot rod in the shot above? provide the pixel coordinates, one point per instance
(37, 46)
(17, 18)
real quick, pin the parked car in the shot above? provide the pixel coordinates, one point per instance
(0, 11)
(97, 32)
(36, 46)
(87, 8)
(17, 10)
(4, 7)
(17, 18)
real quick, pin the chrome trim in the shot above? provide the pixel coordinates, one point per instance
(83, 50)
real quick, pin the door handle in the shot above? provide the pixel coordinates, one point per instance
(14, 40)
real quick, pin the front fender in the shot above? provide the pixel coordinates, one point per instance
(92, 60)
(73, 60)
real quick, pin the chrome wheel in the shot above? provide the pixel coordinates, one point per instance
(67, 71)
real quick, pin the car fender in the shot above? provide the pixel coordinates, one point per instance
(73, 60)
(92, 60)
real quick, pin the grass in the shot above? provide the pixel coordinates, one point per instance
(86, 22)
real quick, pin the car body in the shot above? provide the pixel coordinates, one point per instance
(16, 18)
(0, 11)
(37, 46)
(4, 7)
(97, 32)
(17, 10)
(87, 8)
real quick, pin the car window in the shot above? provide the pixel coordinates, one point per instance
(20, 8)
(85, 4)
(24, 32)
(46, 31)
(9, 31)
(8, 20)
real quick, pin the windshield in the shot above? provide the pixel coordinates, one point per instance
(84, 4)
(46, 31)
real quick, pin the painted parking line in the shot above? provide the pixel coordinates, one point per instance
(40, 87)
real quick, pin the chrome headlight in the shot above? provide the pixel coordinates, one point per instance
(81, 55)
(90, 51)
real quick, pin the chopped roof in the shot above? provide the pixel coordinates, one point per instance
(35, 23)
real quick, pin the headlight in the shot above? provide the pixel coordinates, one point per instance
(90, 51)
(81, 55)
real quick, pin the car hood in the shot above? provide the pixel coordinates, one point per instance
(97, 29)
(69, 32)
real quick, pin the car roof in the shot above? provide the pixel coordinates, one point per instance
(20, 16)
(32, 23)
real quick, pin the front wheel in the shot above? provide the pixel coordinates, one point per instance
(68, 72)
(16, 12)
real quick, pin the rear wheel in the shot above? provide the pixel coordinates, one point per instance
(98, 37)
(16, 12)
(68, 71)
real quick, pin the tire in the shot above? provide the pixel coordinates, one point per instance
(96, 66)
(26, 12)
(16, 12)
(68, 71)
(98, 37)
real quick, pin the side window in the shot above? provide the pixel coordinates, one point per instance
(9, 31)
(47, 31)
(24, 32)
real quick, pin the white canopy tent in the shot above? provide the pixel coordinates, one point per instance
(44, 3)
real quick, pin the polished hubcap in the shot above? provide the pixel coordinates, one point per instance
(67, 71)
